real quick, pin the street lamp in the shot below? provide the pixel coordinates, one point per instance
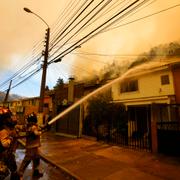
(43, 80)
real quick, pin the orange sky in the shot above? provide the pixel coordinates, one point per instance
(20, 32)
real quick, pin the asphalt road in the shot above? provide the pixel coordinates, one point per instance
(49, 172)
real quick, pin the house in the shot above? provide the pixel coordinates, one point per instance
(25, 106)
(151, 95)
(62, 98)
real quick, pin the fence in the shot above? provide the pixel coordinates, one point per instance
(168, 130)
(126, 128)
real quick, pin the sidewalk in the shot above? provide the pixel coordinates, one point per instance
(91, 160)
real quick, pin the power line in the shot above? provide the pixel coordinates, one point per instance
(34, 73)
(74, 19)
(149, 15)
(102, 14)
(85, 22)
(80, 55)
(124, 15)
(20, 71)
(65, 16)
(96, 29)
(132, 22)
(136, 11)
(78, 22)
(115, 55)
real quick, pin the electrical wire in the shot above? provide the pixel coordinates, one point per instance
(84, 23)
(34, 73)
(78, 23)
(104, 13)
(20, 71)
(114, 55)
(90, 59)
(88, 36)
(62, 23)
(144, 17)
(73, 19)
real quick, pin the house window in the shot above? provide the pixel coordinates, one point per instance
(164, 79)
(46, 105)
(33, 102)
(129, 86)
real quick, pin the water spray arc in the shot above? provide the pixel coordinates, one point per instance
(99, 90)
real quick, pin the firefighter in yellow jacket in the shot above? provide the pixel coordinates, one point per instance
(8, 141)
(32, 145)
(5, 142)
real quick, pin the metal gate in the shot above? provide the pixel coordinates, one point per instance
(69, 124)
(130, 128)
(168, 130)
(139, 127)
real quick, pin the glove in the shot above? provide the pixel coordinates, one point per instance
(45, 127)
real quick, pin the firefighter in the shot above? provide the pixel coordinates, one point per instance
(33, 133)
(8, 141)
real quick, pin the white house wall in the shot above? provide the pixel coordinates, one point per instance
(149, 86)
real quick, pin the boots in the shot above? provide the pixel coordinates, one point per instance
(15, 176)
(36, 173)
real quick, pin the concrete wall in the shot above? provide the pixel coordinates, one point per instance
(149, 85)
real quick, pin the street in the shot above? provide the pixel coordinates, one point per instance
(49, 172)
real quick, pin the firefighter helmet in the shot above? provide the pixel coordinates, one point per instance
(6, 117)
(5, 114)
(32, 118)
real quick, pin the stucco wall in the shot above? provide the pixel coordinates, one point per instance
(149, 86)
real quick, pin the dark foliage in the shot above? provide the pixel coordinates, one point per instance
(59, 83)
(171, 50)
(104, 118)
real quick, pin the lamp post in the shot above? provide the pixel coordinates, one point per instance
(43, 79)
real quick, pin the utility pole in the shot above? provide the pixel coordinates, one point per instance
(43, 80)
(45, 63)
(7, 93)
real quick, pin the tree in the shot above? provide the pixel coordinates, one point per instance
(97, 115)
(170, 50)
(59, 83)
(105, 118)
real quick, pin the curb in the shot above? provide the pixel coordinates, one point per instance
(64, 170)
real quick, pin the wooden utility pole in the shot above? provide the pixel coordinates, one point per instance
(7, 93)
(43, 80)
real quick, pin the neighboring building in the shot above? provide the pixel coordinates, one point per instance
(62, 98)
(26, 106)
(151, 94)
